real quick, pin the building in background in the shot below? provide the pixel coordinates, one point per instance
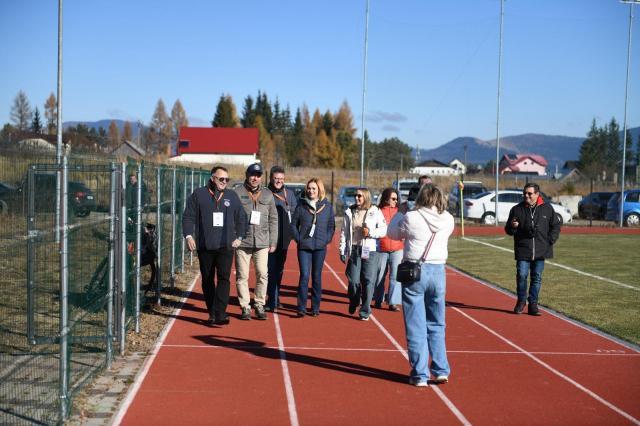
(434, 168)
(217, 145)
(523, 164)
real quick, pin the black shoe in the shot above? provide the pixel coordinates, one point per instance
(222, 320)
(210, 322)
(315, 313)
(352, 308)
(268, 308)
(246, 314)
(520, 306)
(260, 313)
(301, 314)
(377, 305)
(280, 306)
(533, 309)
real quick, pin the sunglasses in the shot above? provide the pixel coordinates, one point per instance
(528, 193)
(393, 198)
(222, 179)
(359, 195)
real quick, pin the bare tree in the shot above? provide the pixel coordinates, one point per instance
(21, 111)
(114, 134)
(161, 129)
(51, 114)
(178, 117)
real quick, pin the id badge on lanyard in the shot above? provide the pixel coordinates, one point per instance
(218, 219)
(255, 217)
(365, 252)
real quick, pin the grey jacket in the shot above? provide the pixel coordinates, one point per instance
(266, 233)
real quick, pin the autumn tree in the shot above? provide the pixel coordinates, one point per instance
(36, 123)
(21, 112)
(263, 109)
(266, 150)
(114, 134)
(178, 117)
(127, 132)
(225, 115)
(51, 114)
(160, 130)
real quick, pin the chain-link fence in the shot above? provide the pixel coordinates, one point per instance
(83, 245)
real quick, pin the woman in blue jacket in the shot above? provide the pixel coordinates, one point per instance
(313, 225)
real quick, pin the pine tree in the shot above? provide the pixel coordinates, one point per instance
(51, 114)
(21, 111)
(36, 124)
(225, 115)
(114, 134)
(593, 151)
(266, 148)
(127, 132)
(327, 152)
(343, 120)
(178, 117)
(263, 109)
(160, 129)
(327, 123)
(294, 144)
(248, 119)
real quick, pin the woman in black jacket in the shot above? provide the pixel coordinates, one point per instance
(312, 225)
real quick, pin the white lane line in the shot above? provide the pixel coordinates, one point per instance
(291, 401)
(551, 312)
(568, 268)
(550, 368)
(328, 349)
(133, 389)
(400, 349)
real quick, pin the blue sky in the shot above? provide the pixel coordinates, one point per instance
(432, 65)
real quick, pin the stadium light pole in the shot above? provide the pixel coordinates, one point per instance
(498, 111)
(626, 96)
(364, 92)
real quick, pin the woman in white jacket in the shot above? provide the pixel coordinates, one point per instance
(426, 230)
(362, 225)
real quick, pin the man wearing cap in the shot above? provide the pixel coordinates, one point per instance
(285, 204)
(214, 222)
(261, 239)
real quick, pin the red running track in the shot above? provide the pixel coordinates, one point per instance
(334, 369)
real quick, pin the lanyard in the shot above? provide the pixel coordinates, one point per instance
(254, 198)
(216, 199)
(286, 203)
(316, 213)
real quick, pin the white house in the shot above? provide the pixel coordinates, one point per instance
(217, 145)
(434, 168)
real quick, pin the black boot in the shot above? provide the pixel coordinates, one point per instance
(533, 309)
(519, 306)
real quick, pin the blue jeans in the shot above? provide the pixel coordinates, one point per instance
(362, 275)
(423, 310)
(523, 268)
(275, 266)
(389, 261)
(311, 263)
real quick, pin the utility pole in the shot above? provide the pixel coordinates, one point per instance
(498, 111)
(364, 93)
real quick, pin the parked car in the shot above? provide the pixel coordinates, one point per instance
(297, 188)
(404, 186)
(10, 199)
(481, 207)
(346, 198)
(594, 205)
(81, 199)
(470, 189)
(630, 208)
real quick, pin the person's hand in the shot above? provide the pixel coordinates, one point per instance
(272, 249)
(343, 258)
(191, 244)
(365, 231)
(236, 243)
(514, 223)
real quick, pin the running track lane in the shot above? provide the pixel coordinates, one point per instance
(335, 369)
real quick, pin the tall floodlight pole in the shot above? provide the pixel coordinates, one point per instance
(364, 92)
(498, 111)
(626, 94)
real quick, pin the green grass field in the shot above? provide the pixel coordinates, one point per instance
(611, 307)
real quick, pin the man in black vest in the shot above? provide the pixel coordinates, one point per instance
(535, 228)
(285, 204)
(215, 223)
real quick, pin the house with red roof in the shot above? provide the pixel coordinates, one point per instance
(217, 145)
(523, 164)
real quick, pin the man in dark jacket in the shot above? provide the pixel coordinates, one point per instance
(285, 204)
(215, 218)
(535, 228)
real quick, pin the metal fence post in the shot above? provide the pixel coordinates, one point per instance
(64, 294)
(112, 265)
(159, 228)
(123, 254)
(184, 205)
(192, 189)
(138, 246)
(31, 232)
(173, 228)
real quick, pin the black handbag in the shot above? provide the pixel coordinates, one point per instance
(409, 270)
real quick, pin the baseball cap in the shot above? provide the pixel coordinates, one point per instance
(254, 169)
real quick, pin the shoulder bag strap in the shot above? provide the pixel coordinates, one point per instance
(429, 243)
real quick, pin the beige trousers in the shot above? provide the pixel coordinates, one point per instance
(243, 263)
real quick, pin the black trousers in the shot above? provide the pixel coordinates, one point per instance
(216, 293)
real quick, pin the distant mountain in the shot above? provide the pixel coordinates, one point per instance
(556, 149)
(104, 124)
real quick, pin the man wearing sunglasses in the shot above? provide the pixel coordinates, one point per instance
(215, 223)
(535, 228)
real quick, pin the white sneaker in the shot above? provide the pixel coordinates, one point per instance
(417, 381)
(442, 379)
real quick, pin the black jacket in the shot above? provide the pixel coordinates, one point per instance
(197, 220)
(537, 232)
(303, 219)
(285, 212)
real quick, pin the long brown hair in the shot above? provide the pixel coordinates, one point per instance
(431, 196)
(386, 195)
